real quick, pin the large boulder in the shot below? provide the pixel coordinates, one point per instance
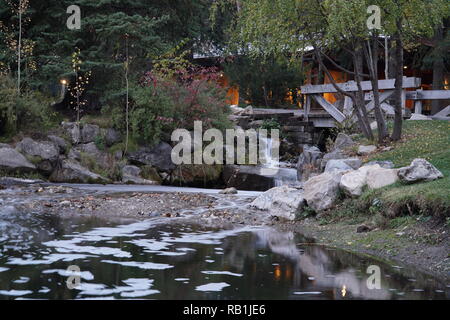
(334, 155)
(112, 136)
(11, 161)
(43, 153)
(309, 162)
(132, 175)
(322, 191)
(247, 178)
(91, 151)
(159, 157)
(380, 177)
(353, 183)
(73, 131)
(59, 142)
(89, 133)
(4, 145)
(365, 150)
(343, 164)
(343, 142)
(419, 170)
(45, 150)
(70, 171)
(383, 164)
(283, 202)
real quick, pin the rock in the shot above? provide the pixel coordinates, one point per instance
(382, 164)
(284, 202)
(236, 110)
(363, 228)
(91, 151)
(353, 183)
(130, 179)
(380, 177)
(321, 192)
(132, 175)
(334, 155)
(59, 142)
(229, 191)
(343, 164)
(365, 150)
(89, 133)
(343, 142)
(309, 162)
(247, 178)
(339, 165)
(70, 171)
(112, 137)
(256, 124)
(45, 150)
(4, 145)
(159, 157)
(418, 116)
(419, 170)
(131, 170)
(10, 181)
(11, 160)
(72, 131)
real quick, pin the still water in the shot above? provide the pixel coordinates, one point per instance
(154, 259)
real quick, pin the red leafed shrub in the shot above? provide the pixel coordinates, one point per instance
(161, 105)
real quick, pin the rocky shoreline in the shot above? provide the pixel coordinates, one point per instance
(406, 246)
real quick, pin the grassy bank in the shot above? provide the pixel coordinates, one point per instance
(385, 207)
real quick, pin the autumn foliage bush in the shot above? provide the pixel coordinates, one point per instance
(161, 104)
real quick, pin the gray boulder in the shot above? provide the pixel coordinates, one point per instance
(59, 142)
(419, 170)
(70, 171)
(4, 145)
(132, 170)
(365, 150)
(89, 133)
(383, 164)
(112, 137)
(283, 202)
(379, 177)
(45, 150)
(159, 157)
(353, 183)
(73, 131)
(334, 155)
(90, 149)
(309, 162)
(228, 191)
(322, 191)
(343, 164)
(11, 160)
(342, 142)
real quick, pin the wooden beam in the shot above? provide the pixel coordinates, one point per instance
(428, 95)
(383, 97)
(331, 109)
(351, 86)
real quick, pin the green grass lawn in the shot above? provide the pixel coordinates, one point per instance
(429, 140)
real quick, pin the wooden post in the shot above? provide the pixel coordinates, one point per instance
(307, 107)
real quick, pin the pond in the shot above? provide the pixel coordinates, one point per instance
(155, 259)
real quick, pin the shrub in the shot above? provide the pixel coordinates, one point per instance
(161, 105)
(29, 111)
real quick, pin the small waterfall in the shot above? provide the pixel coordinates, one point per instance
(281, 176)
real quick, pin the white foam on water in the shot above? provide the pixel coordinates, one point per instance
(227, 273)
(307, 293)
(3, 269)
(44, 290)
(212, 287)
(210, 261)
(182, 279)
(15, 293)
(85, 275)
(139, 293)
(141, 265)
(135, 287)
(48, 259)
(22, 280)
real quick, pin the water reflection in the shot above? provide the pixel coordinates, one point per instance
(156, 260)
